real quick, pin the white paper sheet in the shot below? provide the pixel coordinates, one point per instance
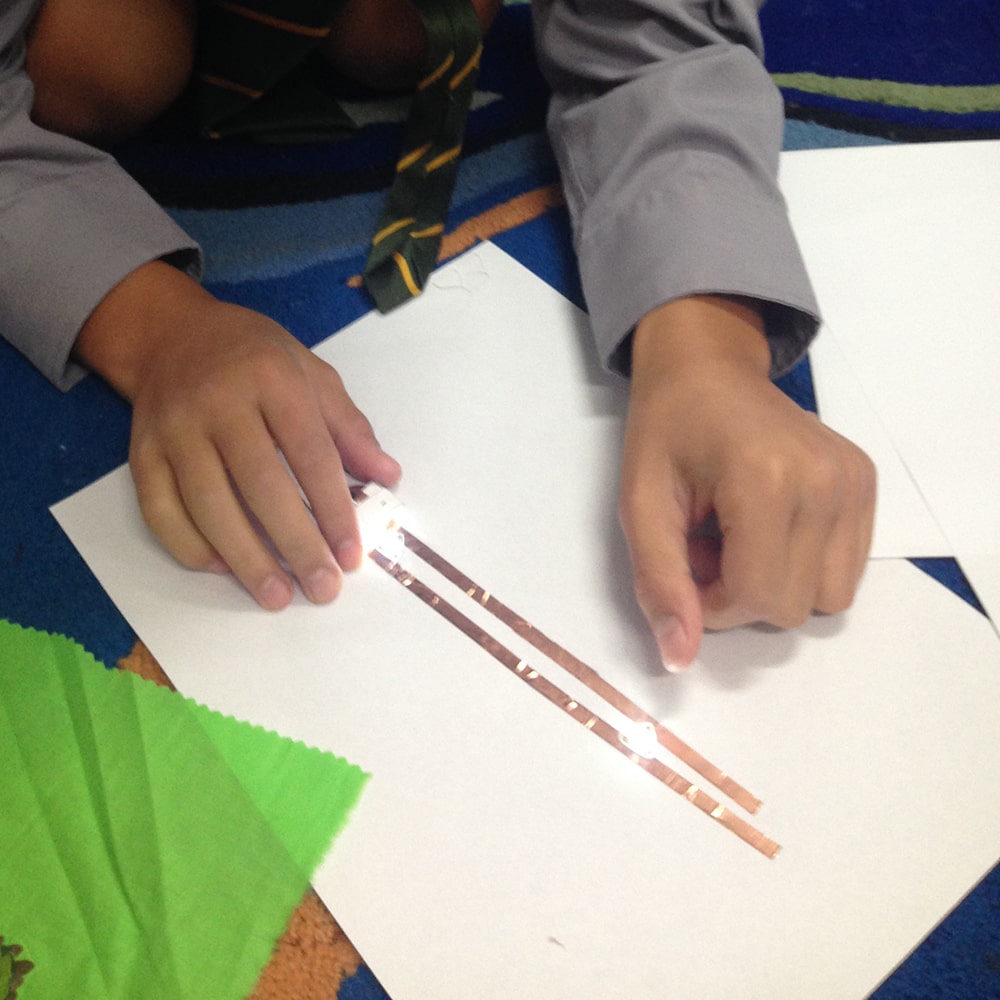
(904, 247)
(501, 849)
(904, 526)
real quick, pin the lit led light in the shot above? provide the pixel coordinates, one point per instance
(640, 738)
(378, 519)
(391, 545)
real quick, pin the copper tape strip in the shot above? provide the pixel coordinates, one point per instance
(584, 673)
(674, 781)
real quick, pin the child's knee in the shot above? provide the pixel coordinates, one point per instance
(381, 42)
(104, 68)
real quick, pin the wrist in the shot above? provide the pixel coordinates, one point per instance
(151, 305)
(700, 333)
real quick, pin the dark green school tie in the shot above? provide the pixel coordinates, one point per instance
(250, 68)
(407, 239)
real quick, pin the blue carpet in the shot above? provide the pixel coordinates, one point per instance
(286, 227)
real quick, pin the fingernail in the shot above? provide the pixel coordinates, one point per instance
(349, 554)
(275, 593)
(322, 585)
(217, 565)
(671, 637)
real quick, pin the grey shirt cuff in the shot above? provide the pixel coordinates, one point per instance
(88, 231)
(668, 141)
(73, 225)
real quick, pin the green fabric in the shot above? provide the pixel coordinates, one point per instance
(408, 236)
(149, 848)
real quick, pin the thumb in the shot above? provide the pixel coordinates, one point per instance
(655, 523)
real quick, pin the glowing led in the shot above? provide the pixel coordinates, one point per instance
(378, 519)
(640, 738)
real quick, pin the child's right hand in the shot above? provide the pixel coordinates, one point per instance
(216, 390)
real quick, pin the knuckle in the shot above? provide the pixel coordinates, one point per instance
(771, 478)
(773, 471)
(157, 512)
(257, 482)
(330, 375)
(757, 597)
(202, 559)
(791, 616)
(761, 606)
(836, 596)
(649, 586)
(144, 456)
(825, 477)
(273, 369)
(160, 516)
(359, 424)
(867, 480)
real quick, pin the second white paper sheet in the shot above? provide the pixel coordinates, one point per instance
(501, 849)
(903, 246)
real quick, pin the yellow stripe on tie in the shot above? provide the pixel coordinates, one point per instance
(273, 22)
(419, 234)
(438, 73)
(446, 157)
(456, 80)
(412, 157)
(404, 270)
(391, 228)
(224, 84)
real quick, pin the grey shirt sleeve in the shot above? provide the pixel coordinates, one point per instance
(667, 130)
(73, 224)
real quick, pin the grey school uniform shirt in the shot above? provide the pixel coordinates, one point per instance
(73, 224)
(665, 124)
(667, 129)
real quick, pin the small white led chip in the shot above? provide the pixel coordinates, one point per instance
(378, 517)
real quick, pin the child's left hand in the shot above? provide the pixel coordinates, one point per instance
(708, 433)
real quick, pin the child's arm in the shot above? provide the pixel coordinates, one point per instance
(72, 223)
(667, 128)
(85, 283)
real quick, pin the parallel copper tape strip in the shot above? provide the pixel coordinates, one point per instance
(563, 701)
(582, 672)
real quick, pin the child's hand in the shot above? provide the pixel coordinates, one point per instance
(215, 388)
(709, 434)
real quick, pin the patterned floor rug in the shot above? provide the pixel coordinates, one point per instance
(285, 230)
